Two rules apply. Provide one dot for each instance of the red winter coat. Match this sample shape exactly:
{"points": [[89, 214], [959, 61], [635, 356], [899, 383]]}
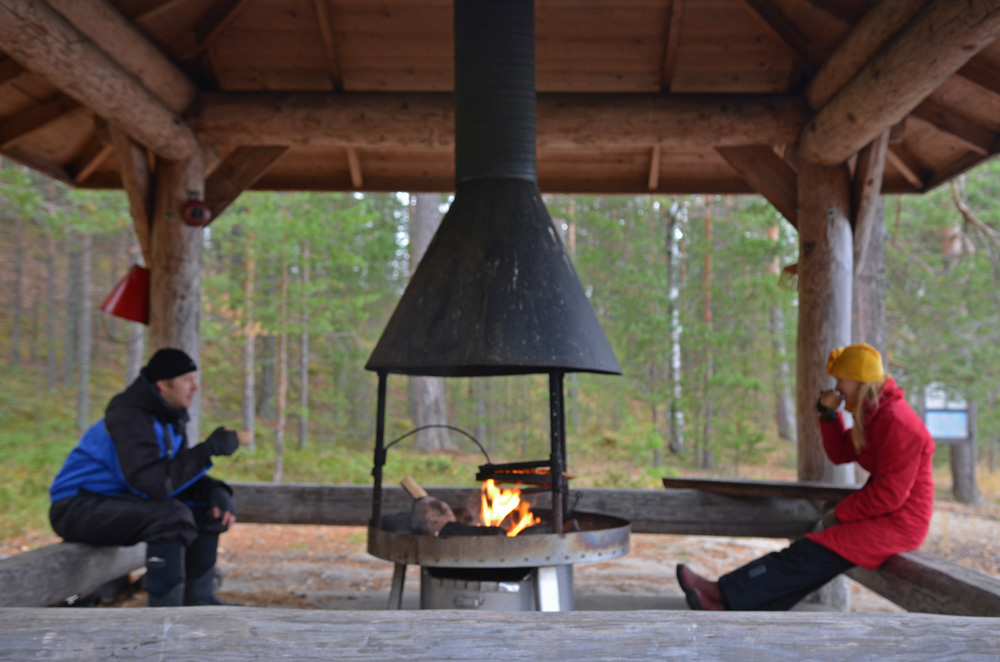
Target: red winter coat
{"points": [[892, 512]]}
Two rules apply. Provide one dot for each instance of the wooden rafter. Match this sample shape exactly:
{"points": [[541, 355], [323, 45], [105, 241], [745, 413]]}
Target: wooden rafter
{"points": [[874, 29], [43, 166], [768, 174], [907, 164], [90, 158], [135, 173], [939, 40], [118, 37], [9, 70], [325, 24], [954, 123], [41, 40], [564, 120], [653, 181], [670, 47], [866, 189], [981, 73], [214, 22], [774, 19], [237, 173], [354, 165], [34, 119]]}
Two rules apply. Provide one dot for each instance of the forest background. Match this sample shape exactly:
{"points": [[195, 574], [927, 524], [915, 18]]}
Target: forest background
{"points": [[298, 286]]}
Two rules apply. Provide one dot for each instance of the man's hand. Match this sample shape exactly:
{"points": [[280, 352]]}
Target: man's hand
{"points": [[828, 403], [222, 441], [222, 506], [828, 519]]}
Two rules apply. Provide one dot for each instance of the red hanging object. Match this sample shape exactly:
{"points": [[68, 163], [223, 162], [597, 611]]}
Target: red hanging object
{"points": [[130, 298]]}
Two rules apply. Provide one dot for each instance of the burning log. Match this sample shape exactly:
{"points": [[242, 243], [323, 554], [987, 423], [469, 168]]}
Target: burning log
{"points": [[429, 515]]}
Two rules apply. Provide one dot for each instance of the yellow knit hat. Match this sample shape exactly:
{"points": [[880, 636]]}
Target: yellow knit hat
{"points": [[861, 363]]}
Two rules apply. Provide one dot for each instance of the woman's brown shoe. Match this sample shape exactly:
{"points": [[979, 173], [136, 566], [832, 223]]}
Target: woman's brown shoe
{"points": [[690, 581]]}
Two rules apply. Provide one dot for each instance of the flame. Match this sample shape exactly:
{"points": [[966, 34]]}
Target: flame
{"points": [[499, 503]]}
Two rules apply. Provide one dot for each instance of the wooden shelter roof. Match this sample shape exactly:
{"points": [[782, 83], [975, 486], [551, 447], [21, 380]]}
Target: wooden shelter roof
{"points": [[672, 96]]}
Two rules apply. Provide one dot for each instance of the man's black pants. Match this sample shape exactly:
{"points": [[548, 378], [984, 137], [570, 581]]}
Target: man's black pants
{"points": [[96, 519], [779, 580]]}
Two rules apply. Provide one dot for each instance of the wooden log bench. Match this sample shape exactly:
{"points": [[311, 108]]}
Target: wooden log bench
{"points": [[915, 581], [222, 634], [49, 575]]}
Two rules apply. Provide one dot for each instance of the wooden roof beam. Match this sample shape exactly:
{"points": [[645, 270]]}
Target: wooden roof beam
{"points": [[564, 121], [117, 37], [41, 40], [136, 179], [237, 173], [220, 14], [903, 160], [874, 29], [939, 40], [9, 70], [866, 189], [330, 50], [670, 47], [354, 166], [774, 19], [769, 174], [90, 158]]}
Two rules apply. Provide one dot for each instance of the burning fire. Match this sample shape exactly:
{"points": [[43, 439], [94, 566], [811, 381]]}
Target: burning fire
{"points": [[499, 503]]}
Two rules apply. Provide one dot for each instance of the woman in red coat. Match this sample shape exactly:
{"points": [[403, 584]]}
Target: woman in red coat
{"points": [[890, 514]]}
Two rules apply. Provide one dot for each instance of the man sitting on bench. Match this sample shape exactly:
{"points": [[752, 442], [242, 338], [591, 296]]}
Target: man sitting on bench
{"points": [[133, 478]]}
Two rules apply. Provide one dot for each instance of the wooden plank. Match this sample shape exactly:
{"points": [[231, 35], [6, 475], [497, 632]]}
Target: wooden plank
{"points": [[768, 174], [655, 158], [237, 173], [920, 582], [670, 48], [220, 14], [195, 634], [119, 38], [682, 512], [41, 40], [939, 40], [48, 575], [329, 43], [91, 157], [764, 489], [903, 160], [564, 120]]}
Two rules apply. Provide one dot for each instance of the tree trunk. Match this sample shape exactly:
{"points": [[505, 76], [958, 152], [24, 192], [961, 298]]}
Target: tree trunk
{"points": [[136, 342], [784, 410], [72, 302], [675, 419], [265, 402], [427, 394], [706, 457], [304, 352], [279, 436], [84, 339], [963, 464], [248, 408], [50, 310], [16, 303]]}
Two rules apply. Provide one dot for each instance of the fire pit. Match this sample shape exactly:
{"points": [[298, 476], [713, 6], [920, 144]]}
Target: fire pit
{"points": [[496, 294]]}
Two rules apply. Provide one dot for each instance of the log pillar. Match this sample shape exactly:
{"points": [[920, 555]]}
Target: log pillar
{"points": [[826, 266], [175, 265]]}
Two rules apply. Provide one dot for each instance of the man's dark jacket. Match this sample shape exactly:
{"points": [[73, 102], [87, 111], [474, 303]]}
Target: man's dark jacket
{"points": [[140, 448]]}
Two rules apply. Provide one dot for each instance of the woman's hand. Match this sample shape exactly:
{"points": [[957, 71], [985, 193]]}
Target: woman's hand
{"points": [[828, 403]]}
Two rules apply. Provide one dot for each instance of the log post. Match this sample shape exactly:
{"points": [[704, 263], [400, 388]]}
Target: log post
{"points": [[826, 264], [826, 271], [175, 265]]}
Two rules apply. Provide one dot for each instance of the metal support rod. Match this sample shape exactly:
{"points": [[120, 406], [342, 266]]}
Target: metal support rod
{"points": [[558, 449], [379, 451]]}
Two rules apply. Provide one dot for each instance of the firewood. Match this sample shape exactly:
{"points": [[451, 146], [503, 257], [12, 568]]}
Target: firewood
{"points": [[428, 515]]}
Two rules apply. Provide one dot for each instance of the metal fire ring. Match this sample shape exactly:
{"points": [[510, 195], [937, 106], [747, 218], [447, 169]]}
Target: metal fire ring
{"points": [[601, 538]]}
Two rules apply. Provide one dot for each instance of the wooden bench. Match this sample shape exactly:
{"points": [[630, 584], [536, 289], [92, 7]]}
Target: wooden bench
{"points": [[915, 581], [49, 575], [223, 634]]}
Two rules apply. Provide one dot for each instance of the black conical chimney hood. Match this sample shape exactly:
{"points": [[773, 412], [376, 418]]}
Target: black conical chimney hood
{"points": [[495, 293]]}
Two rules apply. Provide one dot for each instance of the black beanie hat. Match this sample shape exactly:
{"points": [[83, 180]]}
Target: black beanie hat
{"points": [[167, 364]]}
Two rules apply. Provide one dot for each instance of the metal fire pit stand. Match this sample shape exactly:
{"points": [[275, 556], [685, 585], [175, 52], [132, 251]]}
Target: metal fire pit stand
{"points": [[557, 452]]}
